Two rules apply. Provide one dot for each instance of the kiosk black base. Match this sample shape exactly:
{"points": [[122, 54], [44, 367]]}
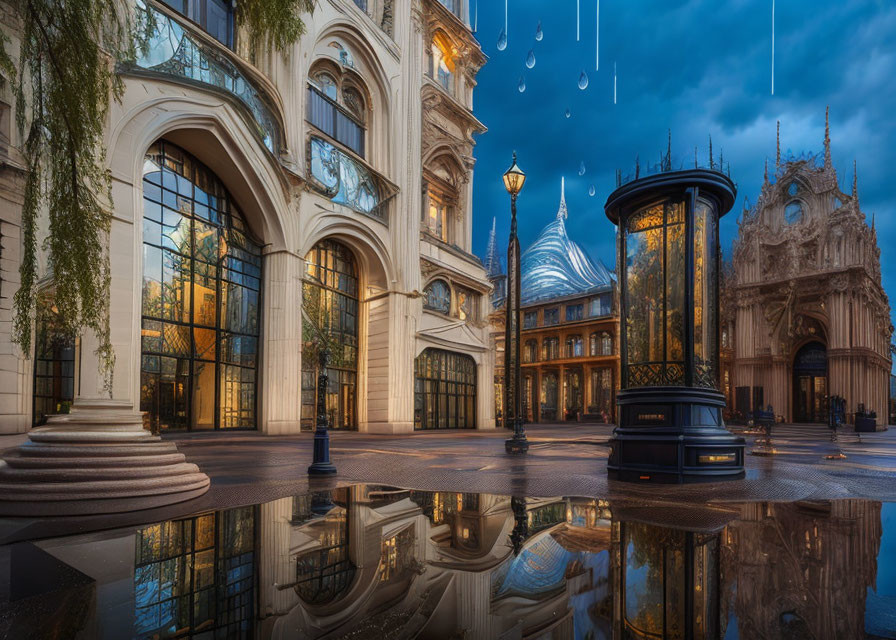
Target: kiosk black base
{"points": [[674, 435]]}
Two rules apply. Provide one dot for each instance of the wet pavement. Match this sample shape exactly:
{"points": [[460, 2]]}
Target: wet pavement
{"points": [[377, 562]]}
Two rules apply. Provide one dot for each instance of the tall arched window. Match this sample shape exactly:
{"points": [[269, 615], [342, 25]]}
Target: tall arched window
{"points": [[437, 297], [550, 348], [530, 352], [330, 319], [606, 344], [201, 298]]}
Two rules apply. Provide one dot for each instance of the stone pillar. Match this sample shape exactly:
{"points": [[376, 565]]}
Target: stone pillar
{"points": [[281, 365]]}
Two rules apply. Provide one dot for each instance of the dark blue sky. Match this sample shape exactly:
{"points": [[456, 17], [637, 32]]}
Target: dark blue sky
{"points": [[699, 68]]}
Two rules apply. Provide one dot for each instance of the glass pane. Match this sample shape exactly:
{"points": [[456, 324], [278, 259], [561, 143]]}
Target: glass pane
{"points": [[644, 295], [705, 285], [675, 283]]}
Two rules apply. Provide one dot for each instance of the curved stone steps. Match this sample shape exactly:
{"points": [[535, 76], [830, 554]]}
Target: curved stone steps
{"points": [[59, 449], [103, 489], [92, 436], [98, 462], [96, 459], [94, 475]]}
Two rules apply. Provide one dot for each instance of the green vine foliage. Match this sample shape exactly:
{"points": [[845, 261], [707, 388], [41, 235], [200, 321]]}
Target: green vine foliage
{"points": [[275, 23], [63, 83]]}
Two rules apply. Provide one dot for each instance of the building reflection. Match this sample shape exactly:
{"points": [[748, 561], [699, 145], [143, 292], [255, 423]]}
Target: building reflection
{"points": [[371, 561]]}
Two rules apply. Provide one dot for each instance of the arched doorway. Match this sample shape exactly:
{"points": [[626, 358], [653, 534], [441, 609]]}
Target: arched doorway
{"points": [[201, 308], [444, 390], [810, 383], [330, 302]]}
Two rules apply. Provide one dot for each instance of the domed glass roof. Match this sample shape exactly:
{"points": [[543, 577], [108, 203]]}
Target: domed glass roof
{"points": [[556, 267]]}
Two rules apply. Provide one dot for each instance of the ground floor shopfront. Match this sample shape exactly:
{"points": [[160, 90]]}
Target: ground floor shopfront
{"points": [[224, 288]]}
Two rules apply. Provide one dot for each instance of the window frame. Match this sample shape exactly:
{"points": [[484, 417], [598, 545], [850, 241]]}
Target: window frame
{"points": [[343, 82]]}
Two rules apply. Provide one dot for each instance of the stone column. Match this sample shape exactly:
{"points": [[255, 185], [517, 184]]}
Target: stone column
{"points": [[281, 365]]}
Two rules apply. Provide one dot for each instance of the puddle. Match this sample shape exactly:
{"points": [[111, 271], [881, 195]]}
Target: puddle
{"points": [[369, 561]]}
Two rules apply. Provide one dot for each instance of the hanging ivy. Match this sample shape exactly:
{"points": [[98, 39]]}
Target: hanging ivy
{"points": [[63, 82], [275, 23]]}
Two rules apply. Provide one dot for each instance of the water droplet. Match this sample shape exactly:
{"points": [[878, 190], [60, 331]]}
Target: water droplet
{"points": [[502, 40], [539, 34], [568, 114], [583, 80], [530, 59], [591, 190], [581, 168], [522, 85]]}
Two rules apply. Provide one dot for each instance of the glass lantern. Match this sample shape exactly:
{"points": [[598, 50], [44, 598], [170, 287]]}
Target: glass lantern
{"points": [[670, 424]]}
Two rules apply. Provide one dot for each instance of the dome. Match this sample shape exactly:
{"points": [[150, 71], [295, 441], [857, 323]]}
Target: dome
{"points": [[556, 267]]}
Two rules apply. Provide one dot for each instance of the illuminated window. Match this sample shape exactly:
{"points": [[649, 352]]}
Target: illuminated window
{"points": [[441, 62], [466, 304], [54, 368], [550, 348], [530, 351], [575, 347], [437, 217], [397, 556], [201, 298]]}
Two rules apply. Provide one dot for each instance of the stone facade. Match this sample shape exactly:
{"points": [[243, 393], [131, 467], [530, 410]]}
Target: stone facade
{"points": [[398, 75], [804, 314]]}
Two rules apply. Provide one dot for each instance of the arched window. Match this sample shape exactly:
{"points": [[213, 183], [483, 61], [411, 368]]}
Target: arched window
{"points": [[793, 212], [201, 290], [575, 347], [325, 573], [530, 352], [337, 108], [466, 304], [330, 319], [444, 390], [54, 366], [437, 297], [606, 344], [550, 348], [441, 62], [593, 345]]}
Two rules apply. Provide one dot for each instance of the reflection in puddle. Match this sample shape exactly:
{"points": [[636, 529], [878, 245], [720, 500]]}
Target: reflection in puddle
{"points": [[377, 562]]}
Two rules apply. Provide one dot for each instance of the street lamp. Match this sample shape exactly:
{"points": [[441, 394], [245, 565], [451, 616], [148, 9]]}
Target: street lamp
{"points": [[670, 408], [514, 178], [321, 466]]}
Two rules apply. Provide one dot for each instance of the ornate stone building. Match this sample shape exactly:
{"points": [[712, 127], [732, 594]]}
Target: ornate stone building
{"points": [[804, 314], [569, 336], [261, 200]]}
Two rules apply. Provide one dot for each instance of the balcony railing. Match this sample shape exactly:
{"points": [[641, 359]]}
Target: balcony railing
{"points": [[171, 48]]}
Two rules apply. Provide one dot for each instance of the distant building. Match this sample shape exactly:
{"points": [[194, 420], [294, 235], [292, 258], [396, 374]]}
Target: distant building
{"points": [[804, 315], [569, 345]]}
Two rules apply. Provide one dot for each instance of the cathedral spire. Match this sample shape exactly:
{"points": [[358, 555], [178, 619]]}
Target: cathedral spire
{"points": [[492, 260], [855, 186], [765, 177], [562, 212], [827, 138], [712, 163], [778, 147], [667, 161]]}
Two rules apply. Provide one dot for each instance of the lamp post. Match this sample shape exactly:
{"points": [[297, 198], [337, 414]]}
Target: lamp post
{"points": [[322, 465], [670, 408], [513, 182]]}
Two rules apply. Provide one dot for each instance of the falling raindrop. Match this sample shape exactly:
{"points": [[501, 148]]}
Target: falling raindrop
{"points": [[581, 168], [530, 59], [773, 47], [522, 85], [614, 82], [597, 40], [539, 34], [568, 114], [591, 190], [578, 14], [502, 40], [583, 80]]}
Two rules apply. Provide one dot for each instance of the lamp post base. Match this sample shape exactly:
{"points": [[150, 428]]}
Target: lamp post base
{"points": [[321, 465], [674, 435], [518, 443]]}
